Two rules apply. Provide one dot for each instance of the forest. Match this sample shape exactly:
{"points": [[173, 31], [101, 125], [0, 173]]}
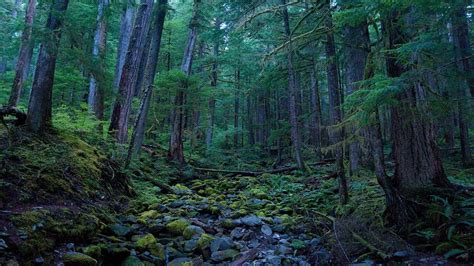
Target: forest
{"points": [[236, 132]]}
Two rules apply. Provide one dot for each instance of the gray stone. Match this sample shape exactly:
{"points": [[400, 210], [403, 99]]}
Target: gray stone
{"points": [[237, 233], [179, 261], [38, 261], [274, 260], [193, 231], [119, 230], [3, 244], [266, 230], [251, 220], [401, 254], [223, 255], [222, 243], [190, 245]]}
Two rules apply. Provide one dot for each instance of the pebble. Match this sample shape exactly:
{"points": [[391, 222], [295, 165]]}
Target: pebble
{"points": [[251, 220], [266, 230]]}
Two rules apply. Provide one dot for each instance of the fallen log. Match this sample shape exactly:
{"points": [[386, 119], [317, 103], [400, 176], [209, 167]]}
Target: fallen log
{"points": [[257, 173], [165, 188], [12, 111]]}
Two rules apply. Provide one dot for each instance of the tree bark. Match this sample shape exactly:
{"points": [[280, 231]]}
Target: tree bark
{"points": [[357, 45], [315, 109], [463, 53], [126, 26], [96, 87], [236, 107], [335, 115], [293, 91], [176, 149], [25, 54], [123, 103], [212, 101], [138, 134], [40, 104], [418, 164]]}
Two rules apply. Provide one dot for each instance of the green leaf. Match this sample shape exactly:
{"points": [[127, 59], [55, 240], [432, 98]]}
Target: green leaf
{"points": [[453, 252]]}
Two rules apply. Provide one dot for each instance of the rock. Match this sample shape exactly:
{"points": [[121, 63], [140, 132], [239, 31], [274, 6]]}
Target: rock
{"points": [[282, 249], [401, 254], [204, 241], [237, 233], [3, 245], [93, 251], [251, 220], [132, 261], [156, 228], [280, 228], [119, 230], [190, 245], [130, 219], [192, 231], [177, 226], [181, 190], [38, 261], [148, 242], [315, 242], [273, 260], [221, 243], [70, 246], [223, 255], [266, 230], [180, 262], [78, 259], [151, 214], [176, 204]]}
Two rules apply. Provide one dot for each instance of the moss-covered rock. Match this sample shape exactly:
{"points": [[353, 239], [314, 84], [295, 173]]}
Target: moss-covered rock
{"points": [[94, 251], [78, 259], [177, 226], [192, 231], [149, 242], [204, 241], [132, 261]]}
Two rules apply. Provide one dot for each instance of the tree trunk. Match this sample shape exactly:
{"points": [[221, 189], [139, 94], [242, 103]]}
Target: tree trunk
{"points": [[315, 108], [40, 104], [138, 134], [418, 164], [357, 45], [96, 87], [236, 107], [176, 149], [462, 52], [212, 101], [126, 26], [335, 115], [25, 54], [293, 91], [123, 103]]}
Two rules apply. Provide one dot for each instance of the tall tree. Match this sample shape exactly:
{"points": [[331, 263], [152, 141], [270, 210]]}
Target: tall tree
{"points": [[293, 90], [418, 165], [25, 54], [176, 149], [40, 104], [214, 75], [126, 26], [463, 54], [149, 78], [123, 103], [96, 87], [335, 104]]}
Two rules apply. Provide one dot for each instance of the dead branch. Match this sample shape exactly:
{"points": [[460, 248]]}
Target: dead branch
{"points": [[258, 173]]}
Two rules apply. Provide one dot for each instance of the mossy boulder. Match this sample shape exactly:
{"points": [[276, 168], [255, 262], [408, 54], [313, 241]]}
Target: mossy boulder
{"points": [[94, 251], [177, 226], [204, 241], [181, 190], [151, 214], [78, 259], [192, 231], [228, 254], [132, 261], [148, 242]]}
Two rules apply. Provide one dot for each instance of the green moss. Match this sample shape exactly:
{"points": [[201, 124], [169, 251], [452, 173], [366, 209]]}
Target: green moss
{"points": [[204, 241], [78, 259], [94, 251], [152, 214], [148, 242], [177, 227]]}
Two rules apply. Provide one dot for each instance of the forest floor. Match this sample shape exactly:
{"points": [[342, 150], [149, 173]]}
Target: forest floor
{"points": [[62, 201]]}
